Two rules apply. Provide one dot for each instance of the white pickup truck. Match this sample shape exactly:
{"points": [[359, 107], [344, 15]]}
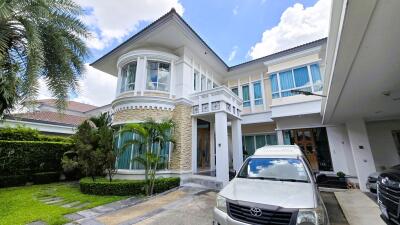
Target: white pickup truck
{"points": [[274, 186]]}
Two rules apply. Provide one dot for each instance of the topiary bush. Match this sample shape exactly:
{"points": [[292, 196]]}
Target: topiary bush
{"points": [[11, 181], [103, 186], [45, 177]]}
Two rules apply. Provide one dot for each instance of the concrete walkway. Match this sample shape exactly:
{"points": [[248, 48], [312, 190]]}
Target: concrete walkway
{"points": [[187, 205], [358, 208]]}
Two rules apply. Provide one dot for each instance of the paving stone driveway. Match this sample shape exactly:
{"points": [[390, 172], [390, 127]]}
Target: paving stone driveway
{"points": [[186, 205]]}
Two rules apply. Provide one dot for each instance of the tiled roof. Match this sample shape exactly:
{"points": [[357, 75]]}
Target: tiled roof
{"points": [[72, 105], [49, 117]]}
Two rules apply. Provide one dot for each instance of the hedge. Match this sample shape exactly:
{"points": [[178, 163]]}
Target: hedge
{"points": [[11, 181], [28, 134], [102, 186], [45, 177], [28, 157]]}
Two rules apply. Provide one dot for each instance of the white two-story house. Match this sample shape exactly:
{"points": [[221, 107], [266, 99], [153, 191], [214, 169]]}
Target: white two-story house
{"points": [[222, 113]]}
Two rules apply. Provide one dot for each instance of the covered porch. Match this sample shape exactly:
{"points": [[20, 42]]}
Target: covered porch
{"points": [[216, 133]]}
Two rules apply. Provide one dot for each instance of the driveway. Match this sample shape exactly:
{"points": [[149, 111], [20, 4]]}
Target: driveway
{"points": [[187, 205]]}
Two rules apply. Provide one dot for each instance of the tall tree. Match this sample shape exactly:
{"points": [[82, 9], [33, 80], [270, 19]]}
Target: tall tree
{"points": [[40, 39]]}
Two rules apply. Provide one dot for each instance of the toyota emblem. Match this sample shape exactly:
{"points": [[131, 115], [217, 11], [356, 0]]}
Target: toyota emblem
{"points": [[254, 211]]}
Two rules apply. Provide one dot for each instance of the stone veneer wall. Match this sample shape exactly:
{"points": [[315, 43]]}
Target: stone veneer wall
{"points": [[181, 156]]}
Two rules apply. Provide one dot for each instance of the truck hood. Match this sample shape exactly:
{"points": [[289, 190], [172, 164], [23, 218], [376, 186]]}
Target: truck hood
{"points": [[276, 193]]}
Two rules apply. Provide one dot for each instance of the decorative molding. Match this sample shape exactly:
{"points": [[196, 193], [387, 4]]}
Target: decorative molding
{"points": [[150, 54]]}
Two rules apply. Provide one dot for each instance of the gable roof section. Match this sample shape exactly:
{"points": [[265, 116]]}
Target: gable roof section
{"points": [[49, 118], [172, 14], [71, 105], [169, 16]]}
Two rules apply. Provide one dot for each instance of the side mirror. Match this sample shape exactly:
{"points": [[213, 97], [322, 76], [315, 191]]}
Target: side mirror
{"points": [[232, 174]]}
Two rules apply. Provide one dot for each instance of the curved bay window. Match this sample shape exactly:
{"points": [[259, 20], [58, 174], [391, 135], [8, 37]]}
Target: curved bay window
{"points": [[158, 75], [128, 77], [128, 159]]}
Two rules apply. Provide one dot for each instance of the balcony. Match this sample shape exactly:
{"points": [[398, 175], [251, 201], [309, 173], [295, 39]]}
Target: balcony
{"points": [[216, 100]]}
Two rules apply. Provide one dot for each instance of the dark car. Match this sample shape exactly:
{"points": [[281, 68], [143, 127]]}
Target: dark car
{"points": [[389, 195]]}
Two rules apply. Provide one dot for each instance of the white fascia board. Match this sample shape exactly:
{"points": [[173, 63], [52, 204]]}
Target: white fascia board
{"points": [[295, 109], [263, 117], [293, 56]]}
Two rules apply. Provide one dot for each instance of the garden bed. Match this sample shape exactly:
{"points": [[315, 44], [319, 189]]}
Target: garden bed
{"points": [[102, 186]]}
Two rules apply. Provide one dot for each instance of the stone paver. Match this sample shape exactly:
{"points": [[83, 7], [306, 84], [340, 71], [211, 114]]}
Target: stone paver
{"points": [[37, 223], [358, 208]]}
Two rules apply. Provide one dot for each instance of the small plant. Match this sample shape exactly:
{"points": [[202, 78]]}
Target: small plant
{"points": [[341, 174]]}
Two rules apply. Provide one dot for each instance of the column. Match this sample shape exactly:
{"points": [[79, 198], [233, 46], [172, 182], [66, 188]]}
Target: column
{"points": [[361, 150], [237, 153], [221, 139], [212, 147], [194, 145], [279, 136]]}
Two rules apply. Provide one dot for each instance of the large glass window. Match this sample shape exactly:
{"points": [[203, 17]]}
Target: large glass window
{"points": [[128, 77], [253, 142], [258, 98], [246, 95], [306, 78], [158, 75]]}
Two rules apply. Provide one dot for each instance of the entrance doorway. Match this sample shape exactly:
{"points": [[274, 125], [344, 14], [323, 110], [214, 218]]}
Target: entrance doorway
{"points": [[203, 145], [314, 144]]}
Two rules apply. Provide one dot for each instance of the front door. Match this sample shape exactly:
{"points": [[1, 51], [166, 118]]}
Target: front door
{"points": [[203, 146], [304, 138]]}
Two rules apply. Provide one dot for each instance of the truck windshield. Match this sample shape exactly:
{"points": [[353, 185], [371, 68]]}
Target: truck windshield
{"points": [[279, 169]]}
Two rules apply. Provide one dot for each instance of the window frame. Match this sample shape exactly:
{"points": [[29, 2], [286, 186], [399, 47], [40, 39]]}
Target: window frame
{"points": [[311, 81], [246, 101], [195, 80], [167, 85], [261, 99], [237, 90], [254, 135], [123, 85]]}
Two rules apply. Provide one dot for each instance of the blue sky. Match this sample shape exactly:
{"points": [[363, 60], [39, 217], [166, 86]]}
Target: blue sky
{"points": [[224, 24], [237, 30]]}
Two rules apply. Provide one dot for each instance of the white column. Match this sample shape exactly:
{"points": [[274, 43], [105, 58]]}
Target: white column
{"points": [[237, 153], [144, 75], [361, 149], [194, 145], [119, 80], [172, 80], [251, 92], [279, 135], [212, 147], [221, 139]]}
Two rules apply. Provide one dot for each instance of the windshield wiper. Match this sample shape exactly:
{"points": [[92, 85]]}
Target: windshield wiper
{"points": [[293, 180], [264, 178]]}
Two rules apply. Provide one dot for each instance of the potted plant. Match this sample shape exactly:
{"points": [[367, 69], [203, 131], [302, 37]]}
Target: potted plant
{"points": [[341, 175]]}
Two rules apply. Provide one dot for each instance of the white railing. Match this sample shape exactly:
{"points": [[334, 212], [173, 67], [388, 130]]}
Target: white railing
{"points": [[215, 100]]}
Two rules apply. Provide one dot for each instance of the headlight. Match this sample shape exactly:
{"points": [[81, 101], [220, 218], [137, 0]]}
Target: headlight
{"points": [[221, 203], [311, 216]]}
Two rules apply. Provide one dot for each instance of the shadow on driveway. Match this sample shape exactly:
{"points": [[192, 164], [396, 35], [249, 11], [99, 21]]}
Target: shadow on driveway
{"points": [[335, 213]]}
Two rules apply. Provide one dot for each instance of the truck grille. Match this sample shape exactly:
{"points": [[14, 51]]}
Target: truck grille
{"points": [[390, 198], [268, 217]]}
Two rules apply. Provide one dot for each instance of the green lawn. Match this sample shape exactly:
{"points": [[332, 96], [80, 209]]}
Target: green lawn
{"points": [[20, 205]]}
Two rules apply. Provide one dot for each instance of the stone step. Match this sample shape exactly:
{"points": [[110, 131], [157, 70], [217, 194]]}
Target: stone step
{"points": [[205, 182], [71, 204]]}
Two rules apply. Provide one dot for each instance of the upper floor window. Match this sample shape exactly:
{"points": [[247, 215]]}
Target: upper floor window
{"points": [[128, 77], [235, 90], [195, 80], [209, 84], [215, 85], [203, 83], [258, 98], [306, 78], [246, 95], [158, 75]]}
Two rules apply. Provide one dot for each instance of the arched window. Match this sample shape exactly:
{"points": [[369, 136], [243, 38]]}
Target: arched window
{"points": [[128, 76]]}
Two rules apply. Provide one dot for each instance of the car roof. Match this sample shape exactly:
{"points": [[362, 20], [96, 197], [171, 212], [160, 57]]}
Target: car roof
{"points": [[292, 151]]}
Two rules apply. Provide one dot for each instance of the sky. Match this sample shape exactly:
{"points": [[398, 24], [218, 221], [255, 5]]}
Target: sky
{"points": [[237, 30]]}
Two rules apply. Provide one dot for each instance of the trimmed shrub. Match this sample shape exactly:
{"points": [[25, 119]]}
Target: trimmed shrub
{"points": [[28, 134], [125, 187], [28, 157], [45, 177], [11, 181]]}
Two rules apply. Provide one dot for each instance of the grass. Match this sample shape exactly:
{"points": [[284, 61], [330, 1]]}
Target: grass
{"points": [[21, 205]]}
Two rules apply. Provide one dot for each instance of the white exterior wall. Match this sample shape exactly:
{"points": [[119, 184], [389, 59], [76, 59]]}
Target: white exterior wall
{"points": [[382, 143]]}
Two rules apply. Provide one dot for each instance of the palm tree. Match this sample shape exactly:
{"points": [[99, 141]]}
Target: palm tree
{"points": [[40, 39], [151, 137]]}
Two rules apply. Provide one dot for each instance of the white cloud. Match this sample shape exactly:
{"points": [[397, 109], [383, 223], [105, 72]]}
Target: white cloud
{"points": [[111, 20], [298, 25], [232, 55], [235, 10], [95, 88]]}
